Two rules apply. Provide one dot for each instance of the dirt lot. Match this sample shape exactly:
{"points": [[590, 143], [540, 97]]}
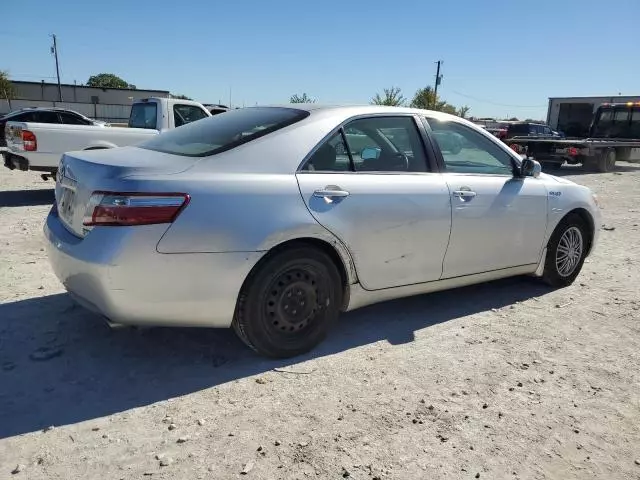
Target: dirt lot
{"points": [[504, 380]]}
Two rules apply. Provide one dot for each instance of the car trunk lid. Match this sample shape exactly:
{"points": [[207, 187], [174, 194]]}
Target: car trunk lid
{"points": [[82, 173]]}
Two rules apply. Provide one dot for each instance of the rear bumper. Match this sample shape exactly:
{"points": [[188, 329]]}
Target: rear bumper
{"points": [[17, 162], [117, 272]]}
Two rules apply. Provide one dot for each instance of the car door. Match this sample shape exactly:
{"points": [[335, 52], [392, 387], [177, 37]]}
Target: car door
{"points": [[370, 183], [498, 220]]}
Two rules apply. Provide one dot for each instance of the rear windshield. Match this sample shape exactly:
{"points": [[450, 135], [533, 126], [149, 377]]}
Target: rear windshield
{"points": [[224, 132], [143, 115]]}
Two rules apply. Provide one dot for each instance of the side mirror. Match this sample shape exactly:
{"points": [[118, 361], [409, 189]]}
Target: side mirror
{"points": [[530, 168], [370, 153]]}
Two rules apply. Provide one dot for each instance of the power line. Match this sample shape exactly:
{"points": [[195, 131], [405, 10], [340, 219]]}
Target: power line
{"points": [[496, 103]]}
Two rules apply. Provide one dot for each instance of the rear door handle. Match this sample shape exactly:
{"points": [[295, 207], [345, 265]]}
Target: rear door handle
{"points": [[464, 194], [330, 192]]}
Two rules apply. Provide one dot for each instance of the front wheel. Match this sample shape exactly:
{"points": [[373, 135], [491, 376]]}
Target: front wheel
{"points": [[289, 303], [566, 251]]}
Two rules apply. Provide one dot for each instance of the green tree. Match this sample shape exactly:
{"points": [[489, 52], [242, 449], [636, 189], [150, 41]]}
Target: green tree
{"points": [[180, 97], [304, 98], [391, 96], [7, 91], [108, 80], [425, 98], [463, 110]]}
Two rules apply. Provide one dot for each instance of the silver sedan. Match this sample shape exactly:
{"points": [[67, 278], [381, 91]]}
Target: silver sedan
{"points": [[273, 220]]}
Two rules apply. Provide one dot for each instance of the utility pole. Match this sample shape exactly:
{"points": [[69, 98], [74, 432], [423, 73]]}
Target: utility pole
{"points": [[438, 80], [54, 51]]}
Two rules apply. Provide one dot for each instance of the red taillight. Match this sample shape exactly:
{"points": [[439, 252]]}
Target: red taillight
{"points": [[572, 151], [29, 141], [128, 209], [515, 147]]}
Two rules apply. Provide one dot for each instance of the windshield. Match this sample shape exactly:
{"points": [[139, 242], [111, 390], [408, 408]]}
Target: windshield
{"points": [[224, 132], [613, 123]]}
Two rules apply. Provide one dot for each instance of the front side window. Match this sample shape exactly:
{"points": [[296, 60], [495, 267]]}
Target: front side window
{"points": [[184, 114], [374, 144], [143, 115], [224, 132], [467, 151]]}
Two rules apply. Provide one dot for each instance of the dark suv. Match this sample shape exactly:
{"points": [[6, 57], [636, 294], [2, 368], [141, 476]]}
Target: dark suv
{"points": [[528, 129], [44, 115]]}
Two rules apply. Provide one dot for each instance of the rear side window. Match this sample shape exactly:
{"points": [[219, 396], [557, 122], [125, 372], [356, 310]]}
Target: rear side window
{"points": [[223, 132], [47, 117], [143, 115], [21, 117]]}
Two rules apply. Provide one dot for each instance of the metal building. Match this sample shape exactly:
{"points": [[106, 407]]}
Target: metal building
{"points": [[109, 104], [572, 115]]}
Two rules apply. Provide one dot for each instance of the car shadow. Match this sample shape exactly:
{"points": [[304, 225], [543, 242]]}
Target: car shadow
{"points": [[60, 364], [25, 198]]}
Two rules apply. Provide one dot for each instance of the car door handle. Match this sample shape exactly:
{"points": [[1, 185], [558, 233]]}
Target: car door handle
{"points": [[464, 194], [330, 192]]}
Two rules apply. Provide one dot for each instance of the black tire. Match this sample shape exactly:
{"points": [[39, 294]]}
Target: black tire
{"points": [[289, 302], [561, 240], [606, 161]]}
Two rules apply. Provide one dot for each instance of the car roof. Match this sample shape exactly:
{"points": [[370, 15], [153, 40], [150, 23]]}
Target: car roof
{"points": [[42, 109], [363, 109]]}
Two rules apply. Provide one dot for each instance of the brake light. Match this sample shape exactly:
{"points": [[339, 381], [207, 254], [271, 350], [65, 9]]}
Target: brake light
{"points": [[128, 209], [29, 141], [572, 151], [515, 147]]}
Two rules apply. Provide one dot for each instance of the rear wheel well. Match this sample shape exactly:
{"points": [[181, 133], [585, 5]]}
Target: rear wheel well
{"points": [[586, 217], [321, 245]]}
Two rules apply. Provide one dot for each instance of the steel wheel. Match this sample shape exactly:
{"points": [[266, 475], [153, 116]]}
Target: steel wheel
{"points": [[295, 299], [289, 302], [569, 251]]}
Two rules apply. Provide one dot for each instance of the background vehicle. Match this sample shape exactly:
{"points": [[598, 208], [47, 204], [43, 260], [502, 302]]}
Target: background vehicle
{"points": [[256, 219], [529, 129], [38, 146], [614, 135], [46, 115]]}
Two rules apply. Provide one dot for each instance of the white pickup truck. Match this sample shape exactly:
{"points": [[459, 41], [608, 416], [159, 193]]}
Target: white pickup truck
{"points": [[39, 146]]}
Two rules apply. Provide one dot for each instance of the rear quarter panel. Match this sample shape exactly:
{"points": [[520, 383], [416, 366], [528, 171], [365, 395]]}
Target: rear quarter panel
{"points": [[241, 213]]}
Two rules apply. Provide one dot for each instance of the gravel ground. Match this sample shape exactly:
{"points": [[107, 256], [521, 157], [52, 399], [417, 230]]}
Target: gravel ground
{"points": [[503, 380]]}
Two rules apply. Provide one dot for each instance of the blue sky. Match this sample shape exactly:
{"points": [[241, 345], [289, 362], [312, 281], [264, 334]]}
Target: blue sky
{"points": [[500, 57]]}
